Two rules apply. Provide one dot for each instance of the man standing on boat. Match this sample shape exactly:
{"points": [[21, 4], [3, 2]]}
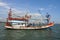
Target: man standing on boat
{"points": [[48, 18]]}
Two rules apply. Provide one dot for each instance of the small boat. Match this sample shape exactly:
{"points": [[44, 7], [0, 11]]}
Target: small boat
{"points": [[23, 23]]}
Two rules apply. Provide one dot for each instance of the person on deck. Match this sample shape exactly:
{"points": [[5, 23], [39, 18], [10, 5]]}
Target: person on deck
{"points": [[48, 18]]}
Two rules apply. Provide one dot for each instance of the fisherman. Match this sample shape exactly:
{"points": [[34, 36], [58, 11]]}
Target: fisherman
{"points": [[48, 18]]}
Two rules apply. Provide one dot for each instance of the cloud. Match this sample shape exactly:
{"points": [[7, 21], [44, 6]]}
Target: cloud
{"points": [[2, 19], [18, 12], [2, 4], [5, 5], [51, 7], [48, 8], [41, 9], [14, 10], [35, 14]]}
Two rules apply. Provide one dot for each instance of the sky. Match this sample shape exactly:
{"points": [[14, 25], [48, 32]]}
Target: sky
{"points": [[31, 6]]}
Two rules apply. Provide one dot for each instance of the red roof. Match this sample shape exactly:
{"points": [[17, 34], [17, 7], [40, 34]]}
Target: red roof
{"points": [[21, 19]]}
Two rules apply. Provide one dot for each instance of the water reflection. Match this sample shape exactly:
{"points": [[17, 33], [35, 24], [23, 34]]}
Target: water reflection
{"points": [[26, 34], [14, 34]]}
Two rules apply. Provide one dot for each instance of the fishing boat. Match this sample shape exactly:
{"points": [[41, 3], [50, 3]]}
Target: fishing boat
{"points": [[25, 23]]}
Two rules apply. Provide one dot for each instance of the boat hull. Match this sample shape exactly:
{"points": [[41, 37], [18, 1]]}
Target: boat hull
{"points": [[41, 27]]}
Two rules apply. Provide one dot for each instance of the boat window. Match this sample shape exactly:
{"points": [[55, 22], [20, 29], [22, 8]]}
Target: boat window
{"points": [[22, 23], [18, 23], [14, 23]]}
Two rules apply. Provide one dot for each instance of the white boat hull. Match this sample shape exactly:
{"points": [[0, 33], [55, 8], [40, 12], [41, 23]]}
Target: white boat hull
{"points": [[42, 27]]}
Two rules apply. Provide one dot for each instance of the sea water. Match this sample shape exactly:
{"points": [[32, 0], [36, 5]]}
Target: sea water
{"points": [[52, 33]]}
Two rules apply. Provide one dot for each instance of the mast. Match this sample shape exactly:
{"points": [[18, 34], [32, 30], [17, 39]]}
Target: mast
{"points": [[9, 15]]}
